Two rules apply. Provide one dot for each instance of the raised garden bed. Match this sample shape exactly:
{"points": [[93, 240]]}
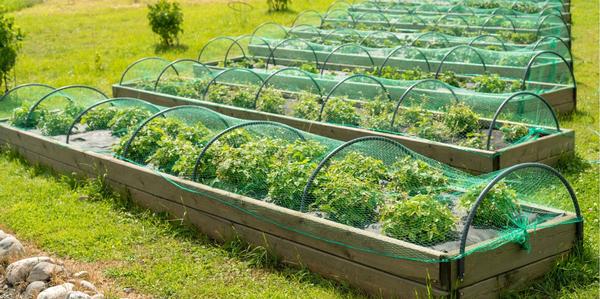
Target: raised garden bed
{"points": [[547, 149], [342, 247]]}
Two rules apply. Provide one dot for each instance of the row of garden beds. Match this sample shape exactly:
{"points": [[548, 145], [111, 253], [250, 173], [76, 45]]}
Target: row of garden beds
{"points": [[320, 218]]}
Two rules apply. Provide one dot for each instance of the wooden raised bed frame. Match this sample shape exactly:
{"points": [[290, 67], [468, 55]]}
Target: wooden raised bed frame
{"points": [[487, 273], [548, 149]]}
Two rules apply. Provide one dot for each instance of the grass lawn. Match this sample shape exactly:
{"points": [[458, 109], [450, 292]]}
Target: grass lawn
{"points": [[92, 42]]}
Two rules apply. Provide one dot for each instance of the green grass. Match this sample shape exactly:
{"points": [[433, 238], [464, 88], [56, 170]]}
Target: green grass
{"points": [[92, 42], [141, 250], [14, 5]]}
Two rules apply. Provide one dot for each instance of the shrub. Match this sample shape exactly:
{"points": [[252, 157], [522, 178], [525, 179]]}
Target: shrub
{"points": [[308, 106], [340, 111], [513, 132], [165, 20], [414, 176], [99, 118], [421, 220], [278, 5], [271, 100], [10, 43], [496, 210], [461, 120]]}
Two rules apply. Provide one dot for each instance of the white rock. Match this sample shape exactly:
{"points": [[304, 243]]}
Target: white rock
{"points": [[98, 296], [44, 271], [33, 289], [87, 286], [57, 292], [10, 248], [82, 275], [78, 295], [3, 234], [18, 271]]}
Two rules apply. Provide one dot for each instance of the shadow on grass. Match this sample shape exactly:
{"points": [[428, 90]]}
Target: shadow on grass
{"points": [[162, 48]]}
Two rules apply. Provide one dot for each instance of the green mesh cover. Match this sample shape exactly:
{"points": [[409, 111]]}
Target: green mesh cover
{"points": [[371, 185]]}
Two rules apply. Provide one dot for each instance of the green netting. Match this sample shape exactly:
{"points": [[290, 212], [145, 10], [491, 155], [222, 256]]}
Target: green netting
{"points": [[523, 29], [549, 67], [373, 186], [463, 8], [431, 39], [52, 112], [428, 109], [22, 95]]}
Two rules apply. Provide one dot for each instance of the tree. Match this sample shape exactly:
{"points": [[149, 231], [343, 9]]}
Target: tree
{"points": [[165, 20], [10, 43]]}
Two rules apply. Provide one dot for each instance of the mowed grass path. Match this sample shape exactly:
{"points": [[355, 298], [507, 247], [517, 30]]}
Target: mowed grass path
{"points": [[92, 42]]}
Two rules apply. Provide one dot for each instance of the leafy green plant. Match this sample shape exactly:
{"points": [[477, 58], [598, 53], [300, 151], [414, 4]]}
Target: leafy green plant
{"points": [[414, 176], [219, 93], [170, 154], [461, 120], [420, 219], [450, 78], [99, 118], [474, 140], [378, 113], [271, 100], [165, 20], [348, 190], [340, 111], [429, 128], [242, 97], [308, 106], [498, 207], [309, 67], [513, 132], [290, 170], [412, 115], [19, 117], [492, 83], [127, 118], [518, 37], [55, 123], [10, 43]]}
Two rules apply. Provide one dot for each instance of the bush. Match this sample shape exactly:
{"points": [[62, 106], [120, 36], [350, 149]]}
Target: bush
{"points": [[278, 5], [461, 120], [421, 220], [414, 176], [496, 210], [10, 43], [165, 20]]}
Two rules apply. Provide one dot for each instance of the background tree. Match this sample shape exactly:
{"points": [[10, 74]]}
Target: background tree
{"points": [[10, 43], [165, 20]]}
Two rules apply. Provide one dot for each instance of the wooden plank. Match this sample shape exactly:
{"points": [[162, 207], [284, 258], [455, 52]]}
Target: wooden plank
{"points": [[543, 149], [544, 242], [511, 280], [144, 179]]}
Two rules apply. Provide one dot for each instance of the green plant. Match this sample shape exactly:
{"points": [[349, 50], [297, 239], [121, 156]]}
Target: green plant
{"points": [[170, 153], [474, 140], [340, 111], [219, 93], [127, 118], [429, 128], [290, 170], [412, 115], [10, 43], [271, 100], [420, 219], [461, 120], [242, 97], [513, 132], [450, 78], [309, 67], [518, 37], [415, 176], [278, 5], [378, 113], [20, 114], [245, 168], [165, 20], [99, 118], [55, 123], [491, 83], [308, 106], [497, 209]]}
